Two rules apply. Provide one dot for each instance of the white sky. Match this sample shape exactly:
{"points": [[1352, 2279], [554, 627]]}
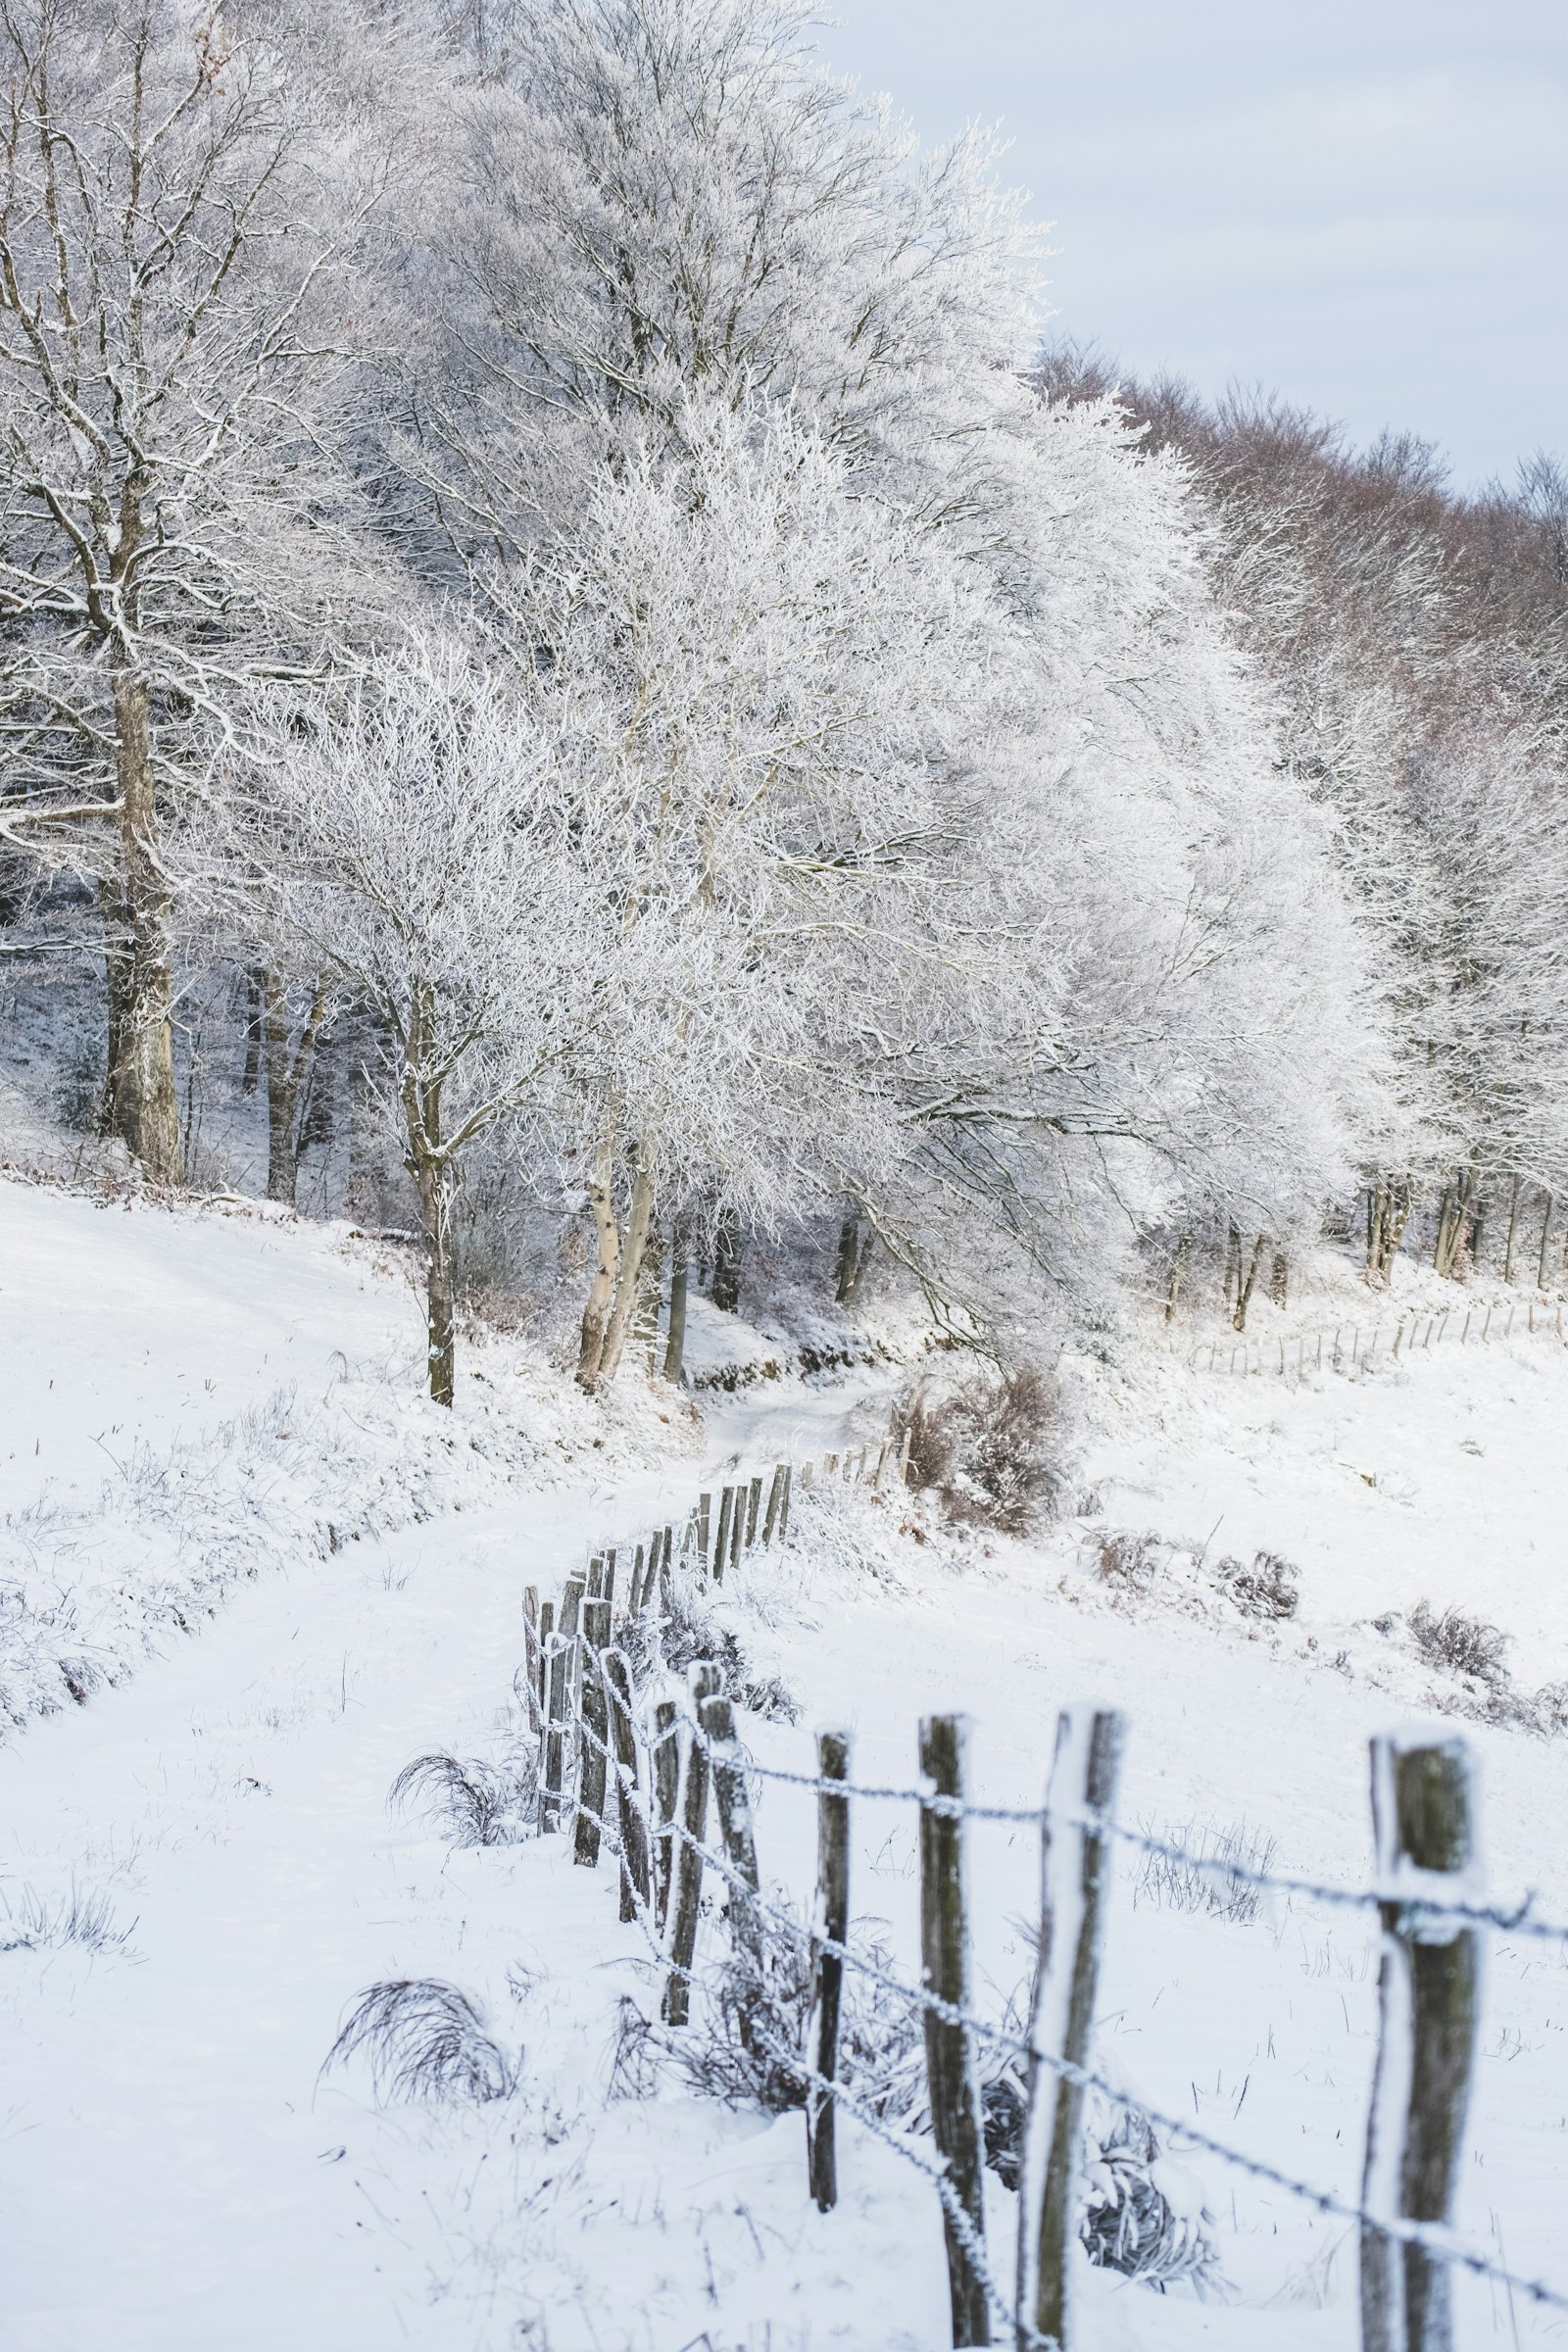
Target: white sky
{"points": [[1366, 206]]}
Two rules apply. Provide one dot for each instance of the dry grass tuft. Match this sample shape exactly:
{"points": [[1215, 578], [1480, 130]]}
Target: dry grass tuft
{"points": [[424, 2040]]}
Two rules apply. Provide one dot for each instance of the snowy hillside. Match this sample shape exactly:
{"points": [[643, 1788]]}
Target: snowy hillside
{"points": [[202, 1870]]}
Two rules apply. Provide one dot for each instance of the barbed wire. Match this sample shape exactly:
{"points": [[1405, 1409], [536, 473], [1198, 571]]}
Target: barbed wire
{"points": [[1430, 2239], [1514, 1920], [1437, 2242]]}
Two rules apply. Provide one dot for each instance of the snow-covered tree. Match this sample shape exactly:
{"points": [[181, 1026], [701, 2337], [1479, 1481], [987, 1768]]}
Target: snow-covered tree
{"points": [[181, 204], [408, 831]]}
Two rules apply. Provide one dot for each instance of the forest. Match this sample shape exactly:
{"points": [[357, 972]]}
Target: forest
{"points": [[586, 677]]}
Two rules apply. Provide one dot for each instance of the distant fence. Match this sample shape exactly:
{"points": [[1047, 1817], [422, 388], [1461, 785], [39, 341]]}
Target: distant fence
{"points": [[1353, 1347], [629, 1767]]}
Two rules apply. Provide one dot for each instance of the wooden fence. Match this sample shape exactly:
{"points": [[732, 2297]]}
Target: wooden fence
{"points": [[635, 1775], [1356, 1347]]}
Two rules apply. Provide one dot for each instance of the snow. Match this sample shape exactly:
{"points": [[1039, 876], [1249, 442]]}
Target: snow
{"points": [[177, 2168]]}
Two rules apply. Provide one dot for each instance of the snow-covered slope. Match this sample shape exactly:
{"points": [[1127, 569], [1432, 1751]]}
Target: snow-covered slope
{"points": [[201, 1869]]}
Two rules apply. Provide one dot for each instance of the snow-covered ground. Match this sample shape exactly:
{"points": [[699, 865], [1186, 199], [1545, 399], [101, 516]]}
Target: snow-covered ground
{"points": [[176, 2169]]}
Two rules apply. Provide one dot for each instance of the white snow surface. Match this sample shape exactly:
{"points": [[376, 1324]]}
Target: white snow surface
{"points": [[177, 2170]]}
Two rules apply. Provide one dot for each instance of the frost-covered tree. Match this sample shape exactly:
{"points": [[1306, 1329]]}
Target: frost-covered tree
{"points": [[182, 203], [408, 831]]}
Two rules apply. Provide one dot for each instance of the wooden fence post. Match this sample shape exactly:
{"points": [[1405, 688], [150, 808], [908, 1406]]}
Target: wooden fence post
{"points": [[1075, 1886], [753, 1503], [716, 1721], [636, 1883], [832, 1922], [666, 1763], [784, 1501], [594, 1736], [688, 1890], [532, 1658], [737, 1525], [727, 1506], [561, 1663], [775, 1495], [948, 2052], [1428, 1999], [705, 1504]]}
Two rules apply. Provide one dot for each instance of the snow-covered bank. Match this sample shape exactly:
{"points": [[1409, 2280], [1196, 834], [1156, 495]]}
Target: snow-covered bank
{"points": [[201, 1870]]}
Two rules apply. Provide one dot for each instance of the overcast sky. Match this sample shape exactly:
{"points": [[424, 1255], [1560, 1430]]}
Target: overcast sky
{"points": [[1363, 205]]}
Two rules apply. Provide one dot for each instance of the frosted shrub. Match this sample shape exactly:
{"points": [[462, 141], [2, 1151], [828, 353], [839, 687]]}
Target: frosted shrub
{"points": [[1463, 1645], [991, 1451]]}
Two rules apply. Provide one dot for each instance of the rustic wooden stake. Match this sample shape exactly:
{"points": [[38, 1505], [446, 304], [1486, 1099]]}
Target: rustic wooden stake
{"points": [[666, 1762], [784, 1503], [663, 1572], [592, 1767], [734, 1798], [1075, 1884], [688, 1874], [827, 1968], [638, 1592], [561, 1663], [753, 1503], [737, 1524], [948, 2052], [705, 1504], [636, 1883], [726, 1505], [775, 1495], [1429, 1998], [533, 1658]]}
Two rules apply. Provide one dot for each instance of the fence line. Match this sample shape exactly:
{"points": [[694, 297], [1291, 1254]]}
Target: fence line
{"points": [[1353, 1347], [638, 1792]]}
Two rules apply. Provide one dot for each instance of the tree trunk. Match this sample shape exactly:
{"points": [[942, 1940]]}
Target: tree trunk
{"points": [[1279, 1280], [854, 1251], [146, 1111], [1513, 1228], [1455, 1221], [1243, 1295], [255, 1024], [1546, 1240], [434, 1181], [117, 988], [287, 1062], [1388, 1205], [629, 1277], [595, 1315], [1233, 1270], [431, 1170], [726, 1292], [1178, 1270], [675, 1340]]}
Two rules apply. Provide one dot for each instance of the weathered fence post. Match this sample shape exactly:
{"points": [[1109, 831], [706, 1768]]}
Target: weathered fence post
{"points": [[737, 1522], [716, 1722], [832, 1924], [1429, 1998], [594, 1713], [665, 1764], [636, 1884], [774, 1497], [753, 1503], [533, 1659], [705, 1504], [727, 1506], [784, 1501], [1075, 1885], [561, 1661], [688, 1892], [948, 2052]]}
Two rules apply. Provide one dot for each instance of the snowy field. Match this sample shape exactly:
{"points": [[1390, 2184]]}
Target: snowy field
{"points": [[201, 1870]]}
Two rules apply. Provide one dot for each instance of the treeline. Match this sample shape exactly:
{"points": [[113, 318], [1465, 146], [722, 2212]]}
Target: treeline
{"points": [[540, 537]]}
